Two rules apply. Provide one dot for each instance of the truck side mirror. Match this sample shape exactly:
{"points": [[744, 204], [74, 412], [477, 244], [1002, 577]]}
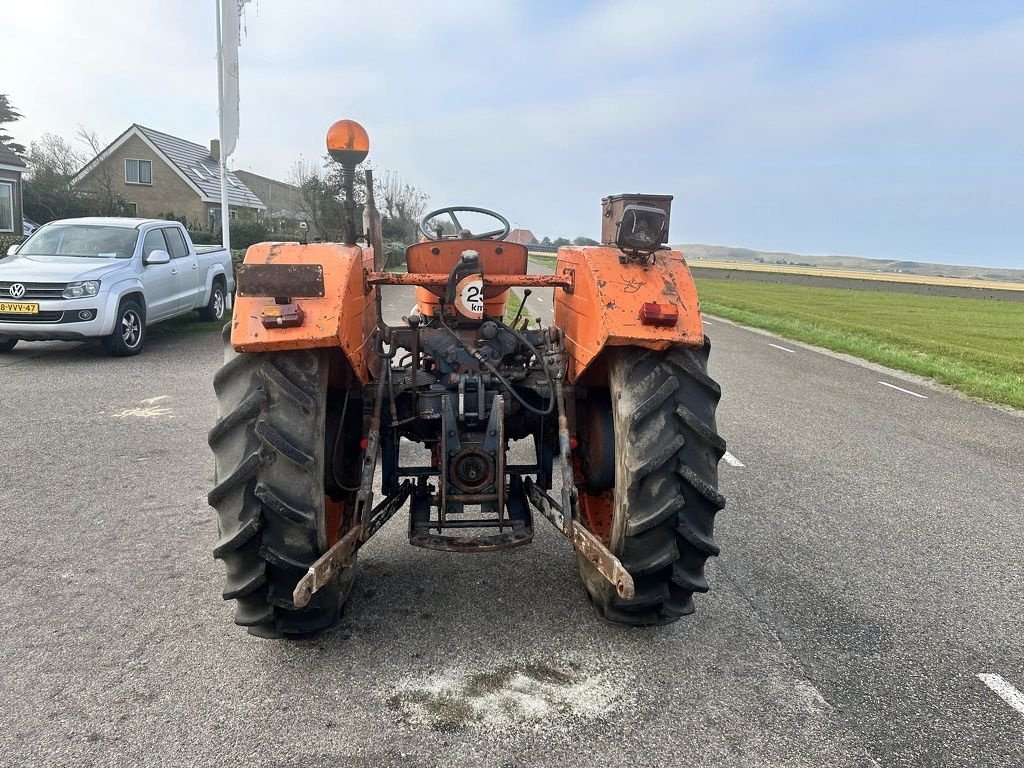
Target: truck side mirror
{"points": [[157, 256], [12, 250]]}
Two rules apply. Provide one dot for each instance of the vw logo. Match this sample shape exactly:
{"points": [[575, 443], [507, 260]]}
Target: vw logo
{"points": [[17, 290]]}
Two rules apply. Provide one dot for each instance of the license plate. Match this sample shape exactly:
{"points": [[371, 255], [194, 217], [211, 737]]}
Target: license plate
{"points": [[17, 308]]}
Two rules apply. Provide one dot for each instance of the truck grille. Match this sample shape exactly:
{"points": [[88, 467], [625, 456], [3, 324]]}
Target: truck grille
{"points": [[32, 290], [41, 317]]}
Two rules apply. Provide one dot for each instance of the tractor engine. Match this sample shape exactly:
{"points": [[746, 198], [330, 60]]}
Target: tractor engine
{"points": [[464, 386]]}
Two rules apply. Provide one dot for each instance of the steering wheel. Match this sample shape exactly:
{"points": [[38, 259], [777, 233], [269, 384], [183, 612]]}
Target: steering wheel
{"points": [[494, 234]]}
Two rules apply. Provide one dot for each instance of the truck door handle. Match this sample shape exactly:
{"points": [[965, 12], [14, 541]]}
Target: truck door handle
{"points": [[195, 266], [174, 271]]}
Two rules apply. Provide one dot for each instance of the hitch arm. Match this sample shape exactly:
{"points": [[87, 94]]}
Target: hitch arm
{"points": [[337, 558], [582, 540], [561, 515]]}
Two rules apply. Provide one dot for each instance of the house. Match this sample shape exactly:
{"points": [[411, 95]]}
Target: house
{"points": [[161, 176], [283, 201], [11, 169], [521, 236]]}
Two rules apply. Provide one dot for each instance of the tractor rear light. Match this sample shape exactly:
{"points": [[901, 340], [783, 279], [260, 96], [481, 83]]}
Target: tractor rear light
{"points": [[363, 443], [652, 313], [573, 443], [282, 316]]}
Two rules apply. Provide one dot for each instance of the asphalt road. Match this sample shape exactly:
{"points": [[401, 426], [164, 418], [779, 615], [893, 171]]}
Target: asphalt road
{"points": [[871, 568]]}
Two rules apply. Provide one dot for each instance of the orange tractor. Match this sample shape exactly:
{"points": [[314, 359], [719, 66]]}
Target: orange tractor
{"points": [[317, 392]]}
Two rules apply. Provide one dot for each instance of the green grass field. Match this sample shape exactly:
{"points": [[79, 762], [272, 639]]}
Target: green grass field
{"points": [[973, 345]]}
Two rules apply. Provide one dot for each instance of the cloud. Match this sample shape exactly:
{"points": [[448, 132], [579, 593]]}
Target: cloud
{"points": [[798, 124]]}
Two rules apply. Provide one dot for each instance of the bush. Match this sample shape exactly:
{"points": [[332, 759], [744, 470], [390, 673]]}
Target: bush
{"points": [[6, 241], [245, 233], [203, 237]]}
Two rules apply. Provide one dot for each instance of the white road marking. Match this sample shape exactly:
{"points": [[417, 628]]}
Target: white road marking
{"points": [[1003, 690], [784, 349], [151, 412], [707, 322], [901, 389], [732, 460], [153, 400]]}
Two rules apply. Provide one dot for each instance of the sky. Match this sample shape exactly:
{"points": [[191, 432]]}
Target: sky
{"points": [[888, 129]]}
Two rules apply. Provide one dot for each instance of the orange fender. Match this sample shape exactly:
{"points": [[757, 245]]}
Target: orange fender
{"points": [[343, 318], [603, 307]]}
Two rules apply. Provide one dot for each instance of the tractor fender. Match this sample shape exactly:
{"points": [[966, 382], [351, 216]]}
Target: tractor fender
{"points": [[602, 309], [344, 317]]}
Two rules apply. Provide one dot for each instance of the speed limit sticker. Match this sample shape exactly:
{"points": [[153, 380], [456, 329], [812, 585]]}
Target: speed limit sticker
{"points": [[469, 296]]}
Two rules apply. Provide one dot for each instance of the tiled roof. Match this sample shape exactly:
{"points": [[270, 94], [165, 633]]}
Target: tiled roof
{"points": [[9, 157], [521, 236], [196, 162]]}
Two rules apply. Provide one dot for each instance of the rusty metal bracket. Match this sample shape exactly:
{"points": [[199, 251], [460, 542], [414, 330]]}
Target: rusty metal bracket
{"points": [[386, 509], [583, 541], [440, 280], [330, 564], [562, 515], [337, 558], [364, 498], [570, 276]]}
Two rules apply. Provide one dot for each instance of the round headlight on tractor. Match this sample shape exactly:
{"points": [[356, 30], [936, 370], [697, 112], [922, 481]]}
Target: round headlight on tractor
{"points": [[82, 288]]}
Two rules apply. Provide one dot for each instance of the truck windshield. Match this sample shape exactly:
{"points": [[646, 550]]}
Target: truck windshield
{"points": [[84, 240]]}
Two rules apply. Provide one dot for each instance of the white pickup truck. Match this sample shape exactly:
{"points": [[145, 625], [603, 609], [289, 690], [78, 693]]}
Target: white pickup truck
{"points": [[108, 278]]}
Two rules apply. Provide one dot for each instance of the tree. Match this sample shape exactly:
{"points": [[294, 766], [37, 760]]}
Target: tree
{"points": [[47, 190], [8, 114], [401, 204], [546, 240], [319, 198], [320, 194], [584, 241], [102, 190], [560, 241]]}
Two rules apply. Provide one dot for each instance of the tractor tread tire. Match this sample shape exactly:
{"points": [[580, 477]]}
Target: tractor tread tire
{"points": [[666, 497], [268, 444]]}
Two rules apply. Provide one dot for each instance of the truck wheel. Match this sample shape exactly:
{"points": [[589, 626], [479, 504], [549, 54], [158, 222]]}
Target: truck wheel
{"points": [[660, 511], [273, 517], [129, 330], [218, 303], [7, 344]]}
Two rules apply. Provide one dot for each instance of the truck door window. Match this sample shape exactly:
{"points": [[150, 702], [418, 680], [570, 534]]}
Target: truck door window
{"points": [[178, 249], [154, 242]]}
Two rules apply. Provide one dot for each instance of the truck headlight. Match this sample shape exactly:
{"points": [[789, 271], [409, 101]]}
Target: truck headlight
{"points": [[82, 288]]}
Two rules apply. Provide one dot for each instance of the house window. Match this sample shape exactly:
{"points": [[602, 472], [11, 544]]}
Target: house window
{"points": [[138, 172], [129, 209], [6, 206]]}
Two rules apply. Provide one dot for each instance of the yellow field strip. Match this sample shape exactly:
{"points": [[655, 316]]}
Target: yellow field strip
{"points": [[885, 277]]}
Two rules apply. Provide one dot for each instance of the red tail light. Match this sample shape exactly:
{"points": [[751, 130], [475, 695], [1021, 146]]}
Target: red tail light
{"points": [[652, 313]]}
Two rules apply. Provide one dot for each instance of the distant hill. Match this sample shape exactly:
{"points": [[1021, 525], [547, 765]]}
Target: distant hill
{"points": [[696, 252]]}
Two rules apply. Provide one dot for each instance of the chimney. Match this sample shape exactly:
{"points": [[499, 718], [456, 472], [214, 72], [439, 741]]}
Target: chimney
{"points": [[215, 149]]}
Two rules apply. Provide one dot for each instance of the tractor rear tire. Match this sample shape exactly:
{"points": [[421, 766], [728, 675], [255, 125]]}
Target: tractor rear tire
{"points": [[665, 493], [269, 443]]}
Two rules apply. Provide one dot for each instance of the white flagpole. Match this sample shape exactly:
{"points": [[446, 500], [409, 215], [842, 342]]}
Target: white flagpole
{"points": [[224, 214]]}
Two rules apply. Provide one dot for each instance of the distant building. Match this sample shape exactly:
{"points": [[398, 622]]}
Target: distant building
{"points": [[283, 202], [521, 236], [11, 169], [160, 175]]}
